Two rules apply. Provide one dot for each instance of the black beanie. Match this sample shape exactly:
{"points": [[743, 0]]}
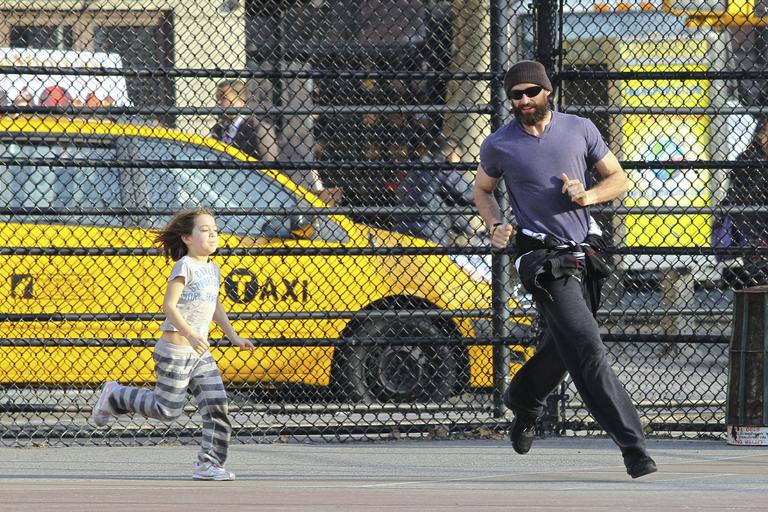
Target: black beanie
{"points": [[527, 72]]}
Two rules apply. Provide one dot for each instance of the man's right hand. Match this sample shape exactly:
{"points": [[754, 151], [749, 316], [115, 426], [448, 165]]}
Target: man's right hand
{"points": [[501, 234]]}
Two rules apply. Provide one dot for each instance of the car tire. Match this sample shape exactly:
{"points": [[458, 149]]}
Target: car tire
{"points": [[397, 373]]}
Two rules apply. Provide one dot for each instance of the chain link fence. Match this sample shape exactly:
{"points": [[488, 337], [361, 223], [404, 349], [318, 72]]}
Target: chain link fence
{"points": [[336, 142]]}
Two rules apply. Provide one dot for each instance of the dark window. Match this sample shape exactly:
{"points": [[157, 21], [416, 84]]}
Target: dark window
{"points": [[371, 35], [48, 37], [589, 93], [144, 47]]}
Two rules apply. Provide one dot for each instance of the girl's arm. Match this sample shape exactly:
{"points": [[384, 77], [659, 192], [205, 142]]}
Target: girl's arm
{"points": [[172, 294], [222, 320]]}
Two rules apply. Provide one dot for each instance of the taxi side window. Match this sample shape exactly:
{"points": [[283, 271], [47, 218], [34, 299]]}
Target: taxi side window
{"points": [[45, 193], [172, 188]]}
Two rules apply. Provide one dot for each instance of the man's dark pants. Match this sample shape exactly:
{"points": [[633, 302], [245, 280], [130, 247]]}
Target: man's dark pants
{"points": [[571, 343]]}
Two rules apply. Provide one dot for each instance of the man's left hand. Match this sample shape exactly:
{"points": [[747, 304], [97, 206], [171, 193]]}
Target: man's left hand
{"points": [[575, 190]]}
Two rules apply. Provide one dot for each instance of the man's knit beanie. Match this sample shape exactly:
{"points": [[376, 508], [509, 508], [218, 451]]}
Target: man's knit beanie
{"points": [[527, 72]]}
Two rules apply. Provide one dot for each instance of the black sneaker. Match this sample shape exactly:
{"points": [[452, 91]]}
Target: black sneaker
{"points": [[521, 433], [641, 467]]}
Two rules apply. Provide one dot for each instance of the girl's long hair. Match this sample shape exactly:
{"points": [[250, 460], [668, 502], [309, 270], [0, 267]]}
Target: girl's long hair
{"points": [[169, 238]]}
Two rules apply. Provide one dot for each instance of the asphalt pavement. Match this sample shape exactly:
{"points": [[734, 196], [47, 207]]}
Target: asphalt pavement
{"points": [[559, 474]]}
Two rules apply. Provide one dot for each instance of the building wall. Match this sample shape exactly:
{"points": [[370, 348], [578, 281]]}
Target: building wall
{"points": [[203, 38]]}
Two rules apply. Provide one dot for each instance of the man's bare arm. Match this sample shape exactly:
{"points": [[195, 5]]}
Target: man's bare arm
{"points": [[488, 207], [614, 183], [485, 201]]}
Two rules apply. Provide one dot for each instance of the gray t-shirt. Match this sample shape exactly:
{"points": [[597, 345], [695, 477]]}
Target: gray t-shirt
{"points": [[198, 300], [531, 167]]}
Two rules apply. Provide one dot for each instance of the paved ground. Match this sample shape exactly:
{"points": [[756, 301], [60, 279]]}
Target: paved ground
{"points": [[572, 474]]}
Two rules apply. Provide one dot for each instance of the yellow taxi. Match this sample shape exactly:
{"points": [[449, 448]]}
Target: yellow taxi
{"points": [[83, 286]]}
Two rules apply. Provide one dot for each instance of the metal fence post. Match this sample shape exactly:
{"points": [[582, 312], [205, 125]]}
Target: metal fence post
{"points": [[546, 13], [500, 271]]}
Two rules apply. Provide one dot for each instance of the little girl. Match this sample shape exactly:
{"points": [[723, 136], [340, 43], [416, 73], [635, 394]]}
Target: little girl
{"points": [[182, 358]]}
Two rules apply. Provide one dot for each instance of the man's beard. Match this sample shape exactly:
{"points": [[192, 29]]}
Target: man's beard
{"points": [[539, 114]]}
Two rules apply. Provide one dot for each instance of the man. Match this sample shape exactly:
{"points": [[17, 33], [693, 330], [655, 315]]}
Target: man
{"points": [[249, 134], [545, 158], [258, 137]]}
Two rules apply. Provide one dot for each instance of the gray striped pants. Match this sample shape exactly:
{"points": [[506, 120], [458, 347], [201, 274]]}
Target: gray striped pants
{"points": [[178, 369]]}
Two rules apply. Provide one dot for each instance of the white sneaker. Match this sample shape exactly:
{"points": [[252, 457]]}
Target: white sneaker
{"points": [[101, 413], [210, 471]]}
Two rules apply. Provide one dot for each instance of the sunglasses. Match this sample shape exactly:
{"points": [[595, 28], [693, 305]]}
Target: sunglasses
{"points": [[531, 92]]}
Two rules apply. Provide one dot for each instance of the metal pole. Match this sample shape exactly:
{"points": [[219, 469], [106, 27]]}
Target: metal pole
{"points": [[547, 13], [500, 264]]}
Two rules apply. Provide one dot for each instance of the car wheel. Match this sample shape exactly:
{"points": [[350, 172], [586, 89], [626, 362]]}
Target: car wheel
{"points": [[398, 373]]}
